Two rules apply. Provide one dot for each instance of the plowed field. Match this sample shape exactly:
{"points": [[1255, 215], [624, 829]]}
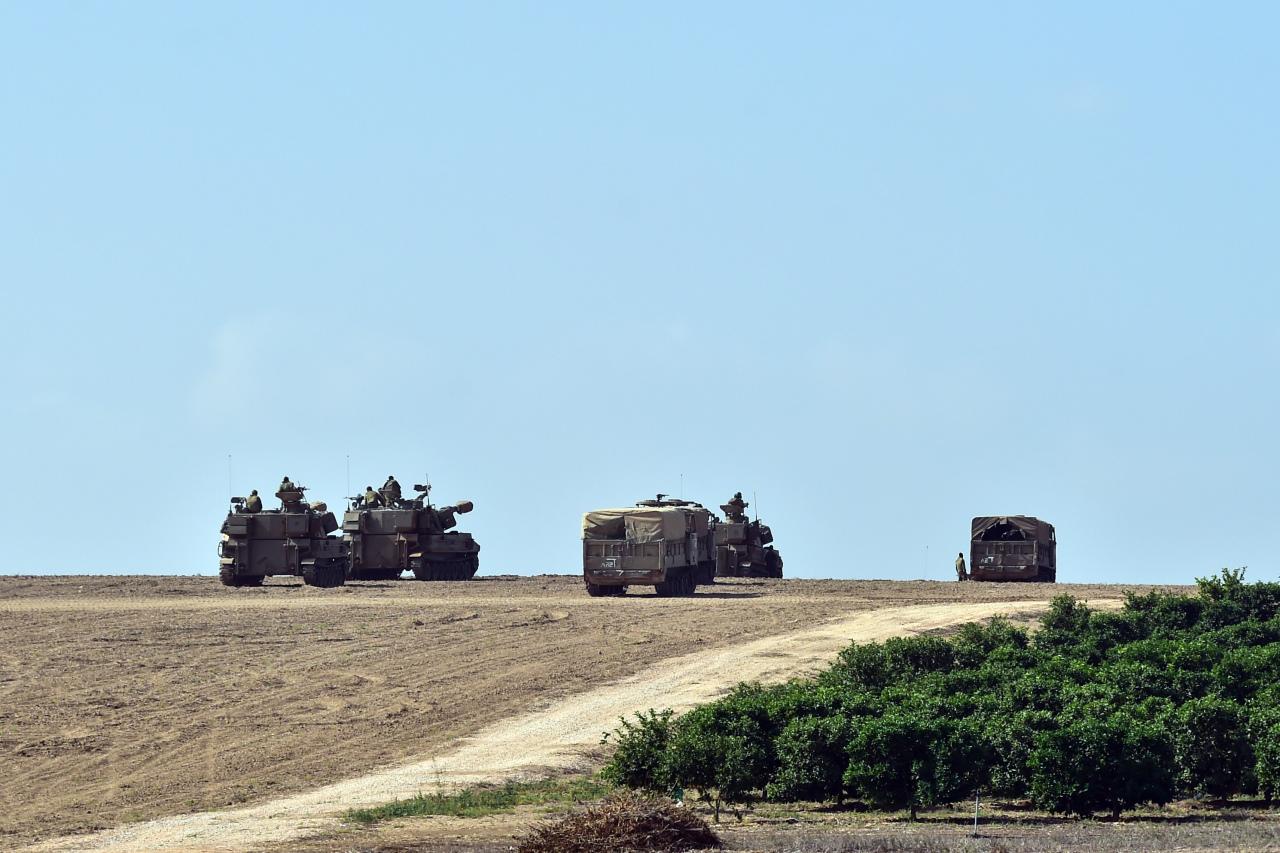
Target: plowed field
{"points": [[127, 699]]}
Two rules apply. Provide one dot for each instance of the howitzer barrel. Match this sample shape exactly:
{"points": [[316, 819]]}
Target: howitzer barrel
{"points": [[462, 507]]}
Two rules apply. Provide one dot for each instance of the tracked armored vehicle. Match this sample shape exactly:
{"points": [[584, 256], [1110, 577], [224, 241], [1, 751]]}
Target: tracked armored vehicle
{"points": [[663, 543], [743, 546], [291, 540], [1012, 548], [391, 535]]}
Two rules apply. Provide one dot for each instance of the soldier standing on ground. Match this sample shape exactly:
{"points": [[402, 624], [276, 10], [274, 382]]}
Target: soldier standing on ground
{"points": [[961, 573], [391, 488], [371, 498], [253, 503]]}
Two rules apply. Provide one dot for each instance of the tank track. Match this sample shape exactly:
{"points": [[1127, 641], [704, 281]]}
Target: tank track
{"points": [[228, 576], [324, 573], [456, 569]]}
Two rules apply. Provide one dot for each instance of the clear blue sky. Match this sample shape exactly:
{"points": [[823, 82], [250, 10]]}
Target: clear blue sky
{"points": [[887, 265]]}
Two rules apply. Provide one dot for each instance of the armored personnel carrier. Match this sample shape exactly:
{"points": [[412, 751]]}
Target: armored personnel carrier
{"points": [[390, 535], [663, 543], [291, 540], [743, 546]]}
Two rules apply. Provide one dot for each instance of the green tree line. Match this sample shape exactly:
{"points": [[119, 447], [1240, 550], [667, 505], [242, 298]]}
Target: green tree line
{"points": [[1171, 696]]}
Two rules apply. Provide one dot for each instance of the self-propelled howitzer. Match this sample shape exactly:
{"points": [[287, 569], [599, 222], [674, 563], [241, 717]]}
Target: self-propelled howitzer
{"points": [[291, 540], [395, 535]]}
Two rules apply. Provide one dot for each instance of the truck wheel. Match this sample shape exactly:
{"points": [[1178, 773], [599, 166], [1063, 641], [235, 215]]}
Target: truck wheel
{"points": [[595, 590]]}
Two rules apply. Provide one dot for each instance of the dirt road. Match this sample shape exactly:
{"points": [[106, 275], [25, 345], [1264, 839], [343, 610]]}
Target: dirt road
{"points": [[128, 699], [553, 738]]}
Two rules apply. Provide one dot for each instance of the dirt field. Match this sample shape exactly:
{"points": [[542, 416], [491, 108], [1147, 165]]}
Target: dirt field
{"points": [[125, 699]]}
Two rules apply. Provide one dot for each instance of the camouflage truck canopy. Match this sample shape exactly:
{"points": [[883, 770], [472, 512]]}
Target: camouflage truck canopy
{"points": [[998, 528], [641, 524]]}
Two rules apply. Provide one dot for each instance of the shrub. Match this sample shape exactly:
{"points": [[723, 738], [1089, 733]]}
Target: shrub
{"points": [[812, 756], [905, 760], [1266, 751], [1097, 712], [1102, 764], [638, 760], [721, 755], [1212, 746]]}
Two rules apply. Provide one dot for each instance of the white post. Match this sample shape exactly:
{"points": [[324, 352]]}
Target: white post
{"points": [[976, 794]]}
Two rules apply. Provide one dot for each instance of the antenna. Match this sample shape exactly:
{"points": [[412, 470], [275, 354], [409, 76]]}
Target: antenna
{"points": [[682, 487], [348, 481], [231, 489], [755, 502]]}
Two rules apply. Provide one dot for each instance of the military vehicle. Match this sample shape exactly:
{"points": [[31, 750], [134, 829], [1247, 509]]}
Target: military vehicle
{"points": [[663, 543], [291, 540], [743, 547], [396, 535], [1012, 548]]}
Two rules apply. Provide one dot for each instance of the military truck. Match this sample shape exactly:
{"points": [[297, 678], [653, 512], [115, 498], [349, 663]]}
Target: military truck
{"points": [[395, 535], [664, 543], [291, 540], [743, 546], [1012, 548]]}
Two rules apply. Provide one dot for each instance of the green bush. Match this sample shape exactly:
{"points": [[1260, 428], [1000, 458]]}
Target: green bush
{"points": [[1212, 747], [812, 756], [719, 753], [1106, 764], [1266, 751], [640, 753], [1097, 712]]}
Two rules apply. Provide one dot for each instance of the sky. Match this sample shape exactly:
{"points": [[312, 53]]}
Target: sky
{"points": [[882, 267]]}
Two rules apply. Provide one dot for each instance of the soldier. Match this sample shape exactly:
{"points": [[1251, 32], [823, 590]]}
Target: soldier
{"points": [[735, 511], [286, 485], [391, 488], [371, 498], [961, 573], [253, 503]]}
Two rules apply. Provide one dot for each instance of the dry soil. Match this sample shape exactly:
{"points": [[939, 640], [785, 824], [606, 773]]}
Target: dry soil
{"points": [[126, 699]]}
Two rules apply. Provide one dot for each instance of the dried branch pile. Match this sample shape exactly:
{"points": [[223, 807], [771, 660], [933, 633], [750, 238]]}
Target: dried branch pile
{"points": [[626, 821]]}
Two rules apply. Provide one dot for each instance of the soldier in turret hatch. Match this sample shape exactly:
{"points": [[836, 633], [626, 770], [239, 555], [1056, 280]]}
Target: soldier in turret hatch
{"points": [[371, 498], [253, 503], [286, 485], [391, 488], [735, 511]]}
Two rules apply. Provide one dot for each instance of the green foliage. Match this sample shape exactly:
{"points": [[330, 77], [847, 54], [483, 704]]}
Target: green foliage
{"points": [[1171, 696], [812, 755], [721, 752], [1212, 746], [1102, 764], [637, 762], [1266, 750], [484, 800]]}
